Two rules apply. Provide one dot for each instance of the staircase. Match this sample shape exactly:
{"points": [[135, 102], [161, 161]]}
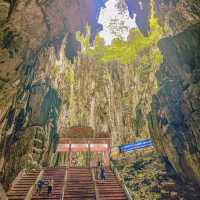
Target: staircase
{"points": [[110, 189], [58, 175], [22, 186], [79, 185]]}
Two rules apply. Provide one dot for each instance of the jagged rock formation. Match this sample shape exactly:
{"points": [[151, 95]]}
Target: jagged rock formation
{"points": [[177, 15], [29, 100], [175, 108], [174, 15], [174, 119], [104, 97]]}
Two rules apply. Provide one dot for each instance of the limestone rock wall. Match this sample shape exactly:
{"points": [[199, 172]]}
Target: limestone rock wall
{"points": [[32, 32], [173, 15], [108, 97], [29, 120], [174, 119], [177, 15], [174, 122]]}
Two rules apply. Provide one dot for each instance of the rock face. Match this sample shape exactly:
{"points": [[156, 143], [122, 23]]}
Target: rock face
{"points": [[175, 119], [31, 32], [174, 15], [104, 96], [177, 15]]}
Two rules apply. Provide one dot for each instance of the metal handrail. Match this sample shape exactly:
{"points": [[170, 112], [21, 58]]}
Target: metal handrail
{"points": [[95, 185], [62, 196], [64, 186], [18, 177], [121, 180]]}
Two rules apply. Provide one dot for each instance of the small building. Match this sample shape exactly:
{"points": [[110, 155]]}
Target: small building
{"points": [[84, 139]]}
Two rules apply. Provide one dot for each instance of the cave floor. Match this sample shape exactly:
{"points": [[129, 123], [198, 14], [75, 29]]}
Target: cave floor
{"points": [[147, 178]]}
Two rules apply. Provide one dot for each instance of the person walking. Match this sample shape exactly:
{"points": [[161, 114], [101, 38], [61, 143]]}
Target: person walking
{"points": [[39, 185], [98, 170], [50, 186], [102, 172]]}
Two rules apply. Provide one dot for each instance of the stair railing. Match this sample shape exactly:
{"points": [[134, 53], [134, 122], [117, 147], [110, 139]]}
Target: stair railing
{"points": [[62, 196], [64, 186], [121, 181], [19, 176], [95, 183]]}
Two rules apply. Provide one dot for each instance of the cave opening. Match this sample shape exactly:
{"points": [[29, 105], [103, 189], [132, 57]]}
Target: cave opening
{"points": [[115, 20]]}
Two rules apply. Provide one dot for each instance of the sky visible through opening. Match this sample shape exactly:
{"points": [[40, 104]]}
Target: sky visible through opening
{"points": [[115, 20]]}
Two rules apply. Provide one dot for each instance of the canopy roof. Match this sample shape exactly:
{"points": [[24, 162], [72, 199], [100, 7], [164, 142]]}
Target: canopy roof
{"points": [[84, 132], [80, 139]]}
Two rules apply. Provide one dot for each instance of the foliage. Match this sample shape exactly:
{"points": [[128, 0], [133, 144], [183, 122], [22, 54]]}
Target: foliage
{"points": [[70, 75], [55, 71], [84, 40], [124, 51]]}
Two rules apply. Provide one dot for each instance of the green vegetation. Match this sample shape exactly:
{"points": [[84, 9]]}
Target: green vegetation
{"points": [[125, 52], [147, 178], [70, 75], [84, 40]]}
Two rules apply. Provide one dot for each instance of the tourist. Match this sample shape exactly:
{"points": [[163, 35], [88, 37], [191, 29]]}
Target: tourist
{"points": [[98, 170], [102, 172], [39, 185], [50, 185]]}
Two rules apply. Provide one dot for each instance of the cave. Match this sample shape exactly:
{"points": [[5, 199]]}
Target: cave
{"points": [[120, 78]]}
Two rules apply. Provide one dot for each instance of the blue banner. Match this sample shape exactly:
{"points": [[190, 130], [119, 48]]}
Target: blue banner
{"points": [[136, 145]]}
